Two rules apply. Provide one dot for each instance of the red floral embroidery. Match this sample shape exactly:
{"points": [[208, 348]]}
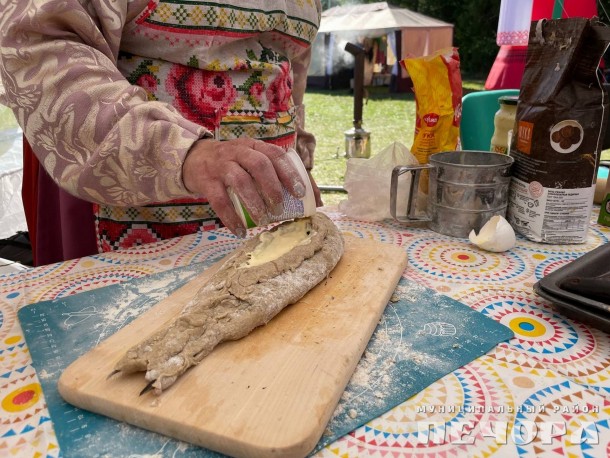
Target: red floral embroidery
{"points": [[256, 91], [280, 90], [202, 96], [138, 236], [148, 82]]}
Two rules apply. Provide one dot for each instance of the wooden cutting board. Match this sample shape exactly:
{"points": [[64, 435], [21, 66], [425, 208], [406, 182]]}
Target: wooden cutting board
{"points": [[269, 394]]}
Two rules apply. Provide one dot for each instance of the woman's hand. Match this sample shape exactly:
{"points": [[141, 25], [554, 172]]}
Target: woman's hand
{"points": [[316, 190], [253, 169]]}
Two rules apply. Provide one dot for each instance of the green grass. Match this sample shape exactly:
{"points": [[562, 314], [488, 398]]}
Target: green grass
{"points": [[388, 118]]}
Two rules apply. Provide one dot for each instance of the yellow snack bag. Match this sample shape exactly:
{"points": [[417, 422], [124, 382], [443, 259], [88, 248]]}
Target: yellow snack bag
{"points": [[437, 84]]}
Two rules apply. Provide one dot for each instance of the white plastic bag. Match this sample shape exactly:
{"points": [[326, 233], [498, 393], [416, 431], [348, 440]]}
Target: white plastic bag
{"points": [[367, 182]]}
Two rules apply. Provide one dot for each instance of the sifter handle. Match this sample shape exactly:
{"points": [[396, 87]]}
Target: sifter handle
{"points": [[415, 171]]}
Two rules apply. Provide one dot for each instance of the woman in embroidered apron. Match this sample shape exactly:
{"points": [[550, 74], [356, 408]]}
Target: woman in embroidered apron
{"points": [[140, 114]]}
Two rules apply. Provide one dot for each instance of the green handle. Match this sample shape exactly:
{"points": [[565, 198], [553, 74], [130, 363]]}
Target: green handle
{"points": [[557, 9]]}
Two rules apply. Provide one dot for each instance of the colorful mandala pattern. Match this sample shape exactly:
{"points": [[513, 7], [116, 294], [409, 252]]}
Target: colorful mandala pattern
{"points": [[371, 230], [553, 263], [452, 417], [582, 429], [7, 318], [543, 338], [552, 361], [455, 261]]}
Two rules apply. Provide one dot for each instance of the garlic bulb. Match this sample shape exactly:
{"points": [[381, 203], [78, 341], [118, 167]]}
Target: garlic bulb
{"points": [[496, 235]]}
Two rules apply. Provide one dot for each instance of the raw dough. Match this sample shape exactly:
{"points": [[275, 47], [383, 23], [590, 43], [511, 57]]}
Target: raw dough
{"points": [[240, 297]]}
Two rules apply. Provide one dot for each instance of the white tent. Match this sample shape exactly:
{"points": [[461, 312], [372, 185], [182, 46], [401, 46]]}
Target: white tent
{"points": [[407, 33], [377, 17]]}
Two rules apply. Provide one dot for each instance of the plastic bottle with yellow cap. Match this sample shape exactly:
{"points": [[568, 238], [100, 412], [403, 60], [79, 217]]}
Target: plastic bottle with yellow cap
{"points": [[504, 122]]}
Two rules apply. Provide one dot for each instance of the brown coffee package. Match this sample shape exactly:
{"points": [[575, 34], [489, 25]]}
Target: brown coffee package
{"points": [[560, 126]]}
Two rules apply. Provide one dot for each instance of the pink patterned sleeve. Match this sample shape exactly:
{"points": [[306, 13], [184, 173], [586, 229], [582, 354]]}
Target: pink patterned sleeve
{"points": [[96, 135]]}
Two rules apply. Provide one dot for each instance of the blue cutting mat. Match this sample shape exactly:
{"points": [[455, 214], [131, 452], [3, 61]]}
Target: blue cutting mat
{"points": [[421, 337]]}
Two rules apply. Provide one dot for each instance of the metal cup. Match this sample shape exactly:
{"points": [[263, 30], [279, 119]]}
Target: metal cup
{"points": [[466, 188]]}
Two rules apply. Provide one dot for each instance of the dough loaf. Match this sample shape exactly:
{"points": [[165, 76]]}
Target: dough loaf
{"points": [[237, 299]]}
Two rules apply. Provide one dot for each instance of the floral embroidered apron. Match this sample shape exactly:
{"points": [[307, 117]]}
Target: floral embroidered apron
{"points": [[224, 66]]}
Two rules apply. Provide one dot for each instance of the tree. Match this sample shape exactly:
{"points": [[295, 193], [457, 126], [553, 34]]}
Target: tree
{"points": [[475, 33]]}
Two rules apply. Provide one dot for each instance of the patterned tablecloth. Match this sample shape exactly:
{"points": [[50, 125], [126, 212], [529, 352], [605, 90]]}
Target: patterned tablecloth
{"points": [[552, 379]]}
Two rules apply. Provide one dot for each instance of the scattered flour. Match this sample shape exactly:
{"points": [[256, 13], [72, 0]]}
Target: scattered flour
{"points": [[411, 292], [376, 375], [133, 301], [44, 375]]}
